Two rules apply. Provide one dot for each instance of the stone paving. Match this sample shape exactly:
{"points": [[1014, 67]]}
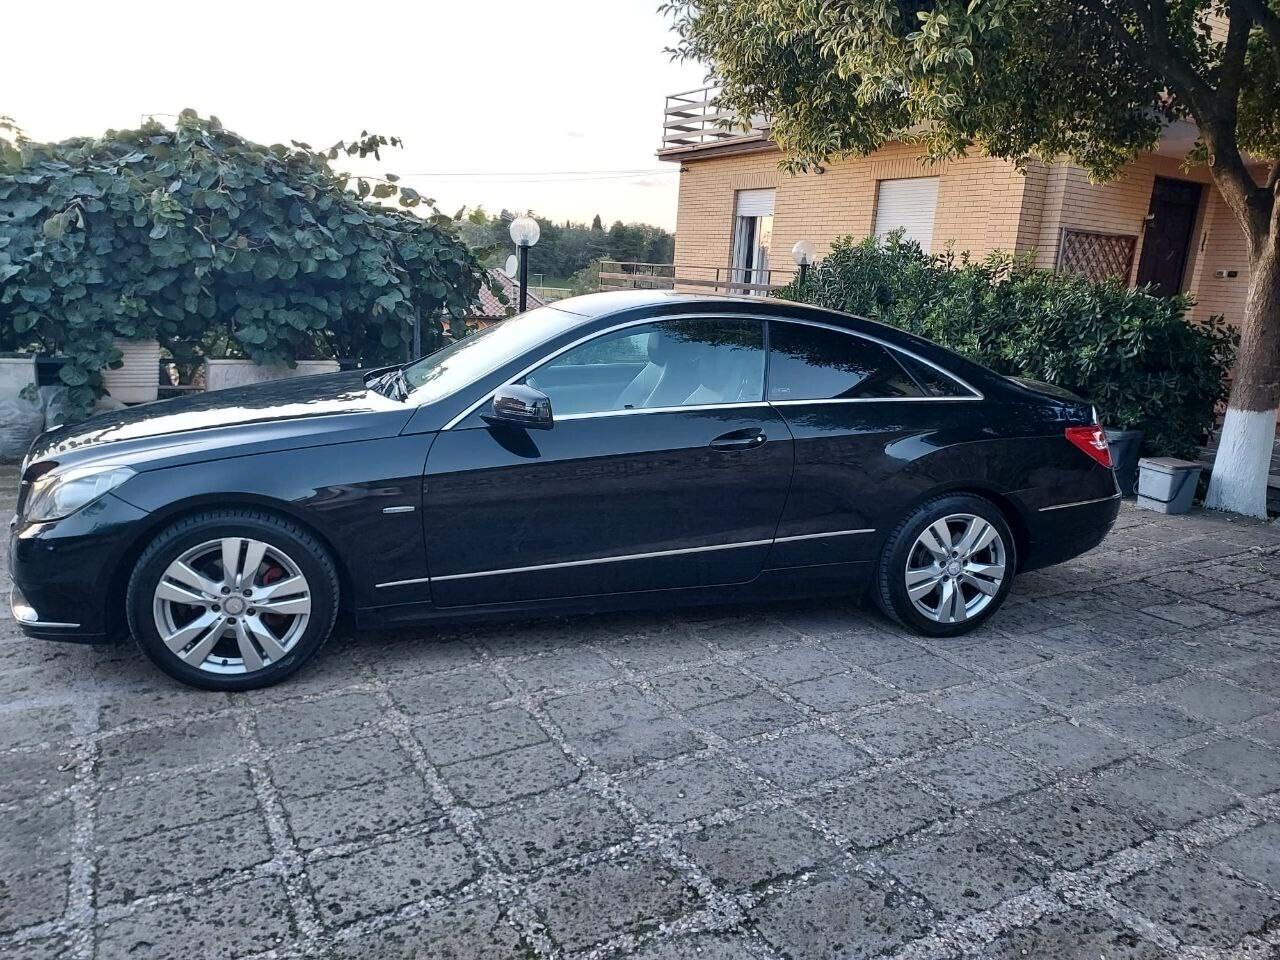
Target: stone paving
{"points": [[1097, 774]]}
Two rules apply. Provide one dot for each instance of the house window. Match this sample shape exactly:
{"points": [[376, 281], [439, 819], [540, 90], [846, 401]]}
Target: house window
{"points": [[907, 205], [752, 234]]}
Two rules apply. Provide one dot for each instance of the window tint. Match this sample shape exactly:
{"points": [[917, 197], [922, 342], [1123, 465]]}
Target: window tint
{"points": [[815, 363], [934, 381], [619, 349], [670, 363], [478, 354]]}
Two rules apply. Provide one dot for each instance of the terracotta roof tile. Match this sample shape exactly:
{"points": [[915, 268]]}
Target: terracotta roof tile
{"points": [[489, 307]]}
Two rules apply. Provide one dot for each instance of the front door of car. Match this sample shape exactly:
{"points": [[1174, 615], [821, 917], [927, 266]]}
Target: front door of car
{"points": [[664, 468]]}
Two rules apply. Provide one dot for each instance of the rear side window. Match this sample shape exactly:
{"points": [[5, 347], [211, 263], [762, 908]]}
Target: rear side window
{"points": [[817, 363], [934, 381]]}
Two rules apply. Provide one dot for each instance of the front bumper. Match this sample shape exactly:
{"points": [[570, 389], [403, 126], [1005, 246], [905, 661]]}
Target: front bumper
{"points": [[64, 572]]}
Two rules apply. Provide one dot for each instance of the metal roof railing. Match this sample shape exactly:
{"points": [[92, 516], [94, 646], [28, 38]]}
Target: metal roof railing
{"points": [[695, 118]]}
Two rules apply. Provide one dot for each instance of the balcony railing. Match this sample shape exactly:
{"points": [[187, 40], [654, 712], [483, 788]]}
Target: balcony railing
{"points": [[695, 118], [622, 275]]}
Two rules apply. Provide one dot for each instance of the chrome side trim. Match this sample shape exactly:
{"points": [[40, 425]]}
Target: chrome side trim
{"points": [[802, 403], [1081, 503], [583, 563], [695, 406], [727, 315], [621, 559], [404, 509], [402, 583], [819, 536], [26, 614]]}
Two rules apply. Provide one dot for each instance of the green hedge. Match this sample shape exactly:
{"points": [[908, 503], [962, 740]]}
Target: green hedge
{"points": [[1137, 357], [199, 238]]}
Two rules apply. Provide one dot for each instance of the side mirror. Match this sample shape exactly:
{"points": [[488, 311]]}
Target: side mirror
{"points": [[518, 405]]}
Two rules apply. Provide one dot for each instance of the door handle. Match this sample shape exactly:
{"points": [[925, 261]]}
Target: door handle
{"points": [[747, 439]]}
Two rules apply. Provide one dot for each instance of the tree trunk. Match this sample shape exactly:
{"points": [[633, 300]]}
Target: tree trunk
{"points": [[1239, 480]]}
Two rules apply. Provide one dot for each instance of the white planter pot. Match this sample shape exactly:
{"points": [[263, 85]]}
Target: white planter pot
{"points": [[15, 374], [137, 380], [221, 374], [20, 420]]}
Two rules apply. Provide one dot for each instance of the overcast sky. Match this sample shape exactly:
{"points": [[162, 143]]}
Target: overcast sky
{"points": [[499, 90]]}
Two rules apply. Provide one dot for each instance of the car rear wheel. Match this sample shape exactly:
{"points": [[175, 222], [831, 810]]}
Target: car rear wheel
{"points": [[232, 600], [948, 566]]}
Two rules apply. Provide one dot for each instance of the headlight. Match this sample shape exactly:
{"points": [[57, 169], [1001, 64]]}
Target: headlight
{"points": [[61, 493]]}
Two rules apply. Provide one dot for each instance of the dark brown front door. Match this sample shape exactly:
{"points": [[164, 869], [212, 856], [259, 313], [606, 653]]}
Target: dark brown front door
{"points": [[1168, 236]]}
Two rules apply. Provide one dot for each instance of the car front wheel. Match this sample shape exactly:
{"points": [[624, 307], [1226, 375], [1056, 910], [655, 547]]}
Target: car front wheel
{"points": [[948, 566], [232, 599]]}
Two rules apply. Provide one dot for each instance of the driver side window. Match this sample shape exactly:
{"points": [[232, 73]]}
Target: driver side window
{"points": [[670, 363]]}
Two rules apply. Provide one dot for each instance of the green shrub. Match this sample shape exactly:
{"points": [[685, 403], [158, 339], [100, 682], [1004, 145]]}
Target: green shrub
{"points": [[1137, 357], [195, 236]]}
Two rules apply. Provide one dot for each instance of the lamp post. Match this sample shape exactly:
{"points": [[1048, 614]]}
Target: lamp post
{"points": [[803, 253], [524, 233]]}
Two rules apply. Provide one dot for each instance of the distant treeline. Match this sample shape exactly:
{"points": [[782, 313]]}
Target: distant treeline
{"points": [[565, 248]]}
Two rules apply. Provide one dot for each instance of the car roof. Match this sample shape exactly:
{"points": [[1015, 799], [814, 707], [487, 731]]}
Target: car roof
{"points": [[617, 301], [617, 304]]}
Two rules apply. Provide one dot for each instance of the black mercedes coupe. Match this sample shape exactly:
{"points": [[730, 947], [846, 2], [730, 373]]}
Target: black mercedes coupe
{"points": [[617, 450]]}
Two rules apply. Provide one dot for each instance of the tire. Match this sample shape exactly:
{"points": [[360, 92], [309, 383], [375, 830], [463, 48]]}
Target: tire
{"points": [[221, 640], [912, 555]]}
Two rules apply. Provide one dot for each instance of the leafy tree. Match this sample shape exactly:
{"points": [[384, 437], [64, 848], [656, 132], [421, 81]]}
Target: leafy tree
{"points": [[1094, 80], [566, 248], [195, 232]]}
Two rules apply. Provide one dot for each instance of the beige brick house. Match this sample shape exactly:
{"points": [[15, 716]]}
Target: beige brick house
{"points": [[739, 215]]}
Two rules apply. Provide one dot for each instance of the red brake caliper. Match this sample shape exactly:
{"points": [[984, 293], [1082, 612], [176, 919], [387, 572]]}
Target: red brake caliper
{"points": [[276, 620]]}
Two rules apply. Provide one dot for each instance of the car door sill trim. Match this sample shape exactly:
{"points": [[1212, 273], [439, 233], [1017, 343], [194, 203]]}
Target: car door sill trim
{"points": [[1080, 503], [819, 536]]}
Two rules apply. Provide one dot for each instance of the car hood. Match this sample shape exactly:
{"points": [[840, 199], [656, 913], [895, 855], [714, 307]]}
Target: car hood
{"points": [[299, 411]]}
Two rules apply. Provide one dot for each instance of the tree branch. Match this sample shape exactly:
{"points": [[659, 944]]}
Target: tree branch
{"points": [[1233, 57], [1216, 120], [1122, 35], [1265, 17], [1164, 58], [1268, 20]]}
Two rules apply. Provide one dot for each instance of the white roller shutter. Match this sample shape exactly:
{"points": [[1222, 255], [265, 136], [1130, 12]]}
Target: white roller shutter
{"points": [[907, 205], [755, 203]]}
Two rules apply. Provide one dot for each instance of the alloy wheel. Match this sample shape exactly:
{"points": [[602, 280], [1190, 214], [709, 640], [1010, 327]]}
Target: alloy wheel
{"points": [[232, 605], [955, 568]]}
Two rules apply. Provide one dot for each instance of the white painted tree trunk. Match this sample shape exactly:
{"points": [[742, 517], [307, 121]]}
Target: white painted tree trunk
{"points": [[1239, 481]]}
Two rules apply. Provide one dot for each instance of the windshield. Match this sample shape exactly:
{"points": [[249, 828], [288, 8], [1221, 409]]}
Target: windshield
{"points": [[449, 369]]}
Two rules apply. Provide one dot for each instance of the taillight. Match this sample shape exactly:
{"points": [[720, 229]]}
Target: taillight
{"points": [[1093, 441]]}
